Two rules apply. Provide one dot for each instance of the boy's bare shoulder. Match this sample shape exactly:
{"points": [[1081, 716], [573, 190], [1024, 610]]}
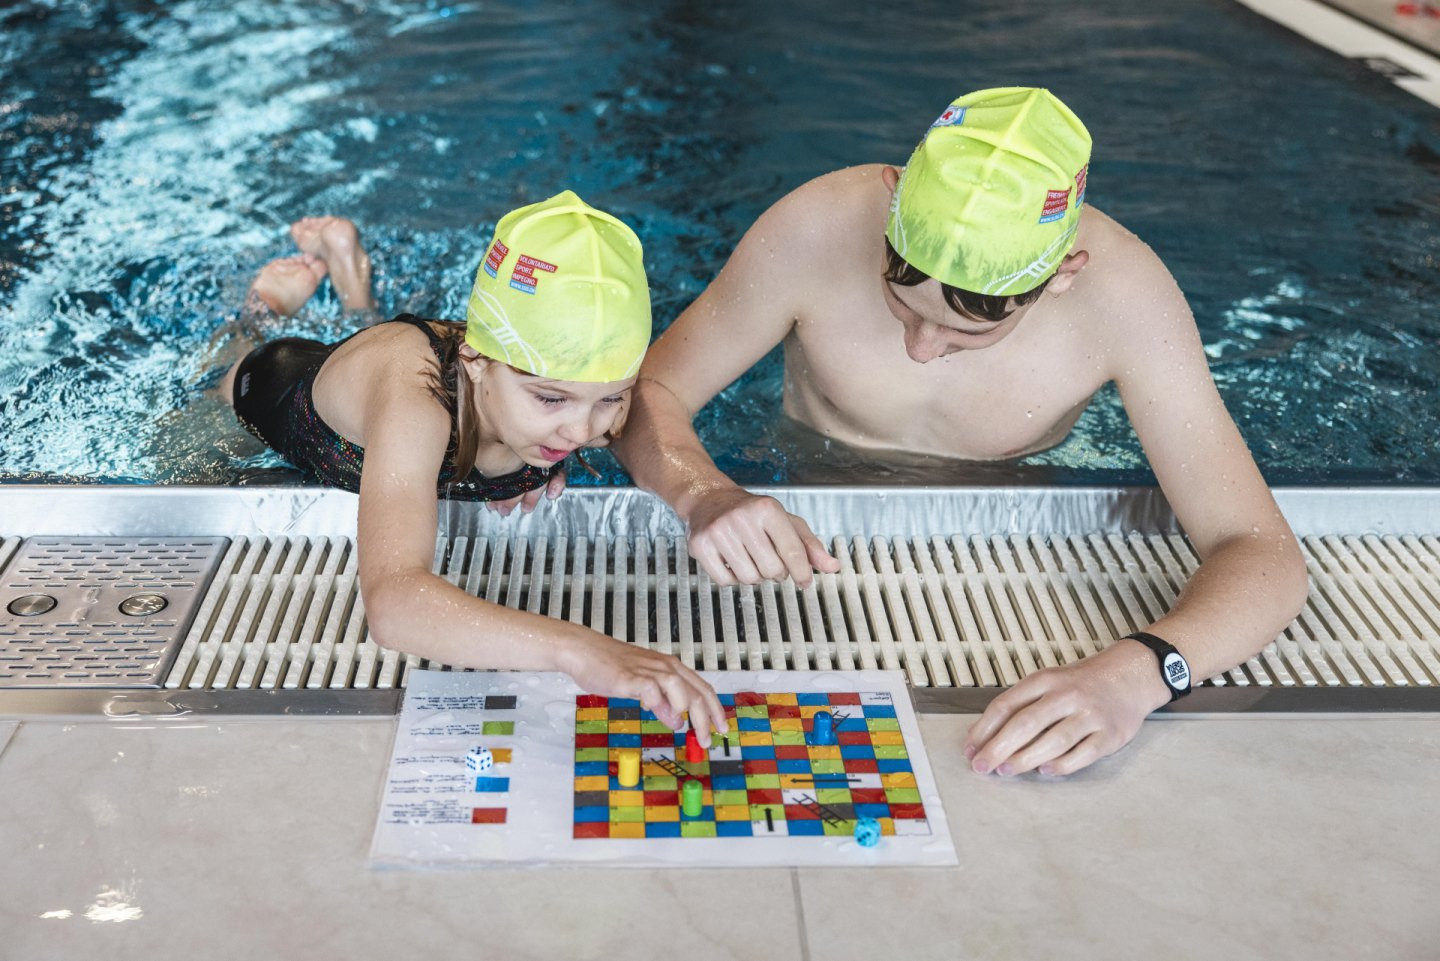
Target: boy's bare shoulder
{"points": [[1124, 271], [1136, 302], [832, 209]]}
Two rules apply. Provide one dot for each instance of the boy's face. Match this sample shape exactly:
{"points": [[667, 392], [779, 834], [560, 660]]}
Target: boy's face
{"points": [[933, 330]]}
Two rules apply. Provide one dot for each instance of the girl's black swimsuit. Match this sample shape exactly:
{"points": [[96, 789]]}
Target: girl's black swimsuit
{"points": [[273, 399]]}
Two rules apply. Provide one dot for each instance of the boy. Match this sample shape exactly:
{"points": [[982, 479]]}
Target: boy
{"points": [[969, 306]]}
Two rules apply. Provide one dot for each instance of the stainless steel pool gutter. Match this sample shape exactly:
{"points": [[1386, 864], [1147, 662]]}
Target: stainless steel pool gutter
{"points": [[966, 589]]}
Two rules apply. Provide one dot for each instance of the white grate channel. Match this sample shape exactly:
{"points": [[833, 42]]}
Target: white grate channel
{"points": [[952, 612]]}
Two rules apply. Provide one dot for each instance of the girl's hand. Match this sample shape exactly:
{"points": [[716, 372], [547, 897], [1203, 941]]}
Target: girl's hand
{"points": [[552, 489], [662, 684]]}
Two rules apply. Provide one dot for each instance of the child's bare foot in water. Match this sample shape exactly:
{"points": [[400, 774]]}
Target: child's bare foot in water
{"points": [[336, 241], [284, 285]]}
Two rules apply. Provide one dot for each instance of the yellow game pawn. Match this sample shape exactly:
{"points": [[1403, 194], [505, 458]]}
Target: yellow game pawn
{"points": [[629, 767]]}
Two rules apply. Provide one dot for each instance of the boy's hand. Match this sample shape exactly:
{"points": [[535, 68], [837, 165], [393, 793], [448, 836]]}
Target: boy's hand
{"points": [[1062, 719], [662, 684], [744, 538]]}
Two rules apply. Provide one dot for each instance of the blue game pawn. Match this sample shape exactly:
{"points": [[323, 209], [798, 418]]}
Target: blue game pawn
{"points": [[823, 729], [867, 832]]}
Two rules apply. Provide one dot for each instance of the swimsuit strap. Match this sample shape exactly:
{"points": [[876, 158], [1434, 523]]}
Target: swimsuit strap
{"points": [[475, 485]]}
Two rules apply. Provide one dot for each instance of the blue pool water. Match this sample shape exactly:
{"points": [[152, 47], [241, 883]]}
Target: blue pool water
{"points": [[153, 154]]}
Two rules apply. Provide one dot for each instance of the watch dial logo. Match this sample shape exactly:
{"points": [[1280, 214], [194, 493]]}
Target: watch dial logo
{"points": [[1177, 672]]}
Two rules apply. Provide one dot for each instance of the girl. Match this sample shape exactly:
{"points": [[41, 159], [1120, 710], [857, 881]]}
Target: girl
{"points": [[409, 410]]}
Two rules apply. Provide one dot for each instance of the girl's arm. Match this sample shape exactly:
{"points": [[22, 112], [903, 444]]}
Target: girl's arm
{"points": [[413, 610]]}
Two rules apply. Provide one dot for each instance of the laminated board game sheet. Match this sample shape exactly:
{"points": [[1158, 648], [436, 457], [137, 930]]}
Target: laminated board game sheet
{"points": [[548, 788]]}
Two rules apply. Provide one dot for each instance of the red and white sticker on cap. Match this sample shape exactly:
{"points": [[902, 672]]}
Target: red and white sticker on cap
{"points": [[522, 278], [495, 258], [1055, 203], [1080, 184], [953, 116]]}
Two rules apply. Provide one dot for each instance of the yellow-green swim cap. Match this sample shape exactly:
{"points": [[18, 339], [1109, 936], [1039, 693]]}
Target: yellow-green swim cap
{"points": [[562, 294], [990, 200]]}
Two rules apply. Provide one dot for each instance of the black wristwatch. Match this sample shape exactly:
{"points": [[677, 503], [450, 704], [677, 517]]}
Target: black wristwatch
{"points": [[1174, 669]]}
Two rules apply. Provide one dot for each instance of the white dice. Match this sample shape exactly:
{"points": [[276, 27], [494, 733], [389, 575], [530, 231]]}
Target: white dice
{"points": [[478, 761]]}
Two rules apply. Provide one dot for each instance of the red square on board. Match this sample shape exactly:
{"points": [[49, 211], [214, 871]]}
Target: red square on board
{"points": [[861, 765], [784, 710], [592, 740], [657, 740], [851, 738], [591, 700], [794, 812], [487, 816], [867, 795], [761, 767], [655, 799], [764, 795], [912, 811], [748, 699], [592, 829], [836, 699], [792, 752]]}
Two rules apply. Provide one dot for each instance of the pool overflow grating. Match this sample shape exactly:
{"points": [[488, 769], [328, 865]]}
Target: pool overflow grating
{"points": [[278, 613]]}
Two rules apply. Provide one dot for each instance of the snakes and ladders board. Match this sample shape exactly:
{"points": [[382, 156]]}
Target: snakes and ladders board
{"points": [[551, 793]]}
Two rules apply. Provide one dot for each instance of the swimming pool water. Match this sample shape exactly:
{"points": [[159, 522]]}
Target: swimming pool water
{"points": [[153, 154]]}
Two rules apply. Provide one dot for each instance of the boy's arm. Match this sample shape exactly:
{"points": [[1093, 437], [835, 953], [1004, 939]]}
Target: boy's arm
{"points": [[737, 537], [1251, 581]]}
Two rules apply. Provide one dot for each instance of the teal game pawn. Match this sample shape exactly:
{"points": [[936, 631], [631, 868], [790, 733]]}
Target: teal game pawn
{"points": [[867, 832], [692, 798]]}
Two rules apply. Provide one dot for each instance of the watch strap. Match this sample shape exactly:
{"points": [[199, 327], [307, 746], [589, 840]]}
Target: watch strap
{"points": [[1174, 669]]}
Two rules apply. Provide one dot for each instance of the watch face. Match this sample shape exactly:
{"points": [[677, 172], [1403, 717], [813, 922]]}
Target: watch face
{"points": [[1177, 672]]}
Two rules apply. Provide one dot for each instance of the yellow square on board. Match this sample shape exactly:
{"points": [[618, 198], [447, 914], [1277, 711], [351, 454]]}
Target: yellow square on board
{"points": [[667, 812], [780, 698], [887, 737], [898, 779], [500, 754], [732, 812], [627, 829], [592, 713], [624, 727], [626, 799], [786, 724], [592, 782]]}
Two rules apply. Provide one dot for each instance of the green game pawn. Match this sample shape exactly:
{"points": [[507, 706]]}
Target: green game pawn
{"points": [[692, 798]]}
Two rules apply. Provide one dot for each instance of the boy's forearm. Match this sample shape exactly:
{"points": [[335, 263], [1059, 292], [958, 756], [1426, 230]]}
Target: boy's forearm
{"points": [[662, 452], [1238, 600]]}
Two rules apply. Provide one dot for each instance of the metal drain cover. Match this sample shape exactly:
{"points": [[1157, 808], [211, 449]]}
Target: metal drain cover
{"points": [[31, 605], [100, 612]]}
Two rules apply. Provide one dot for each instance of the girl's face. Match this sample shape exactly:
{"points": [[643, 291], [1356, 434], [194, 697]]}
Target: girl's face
{"points": [[544, 420]]}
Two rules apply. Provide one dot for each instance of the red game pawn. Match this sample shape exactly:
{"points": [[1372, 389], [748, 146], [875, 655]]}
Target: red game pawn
{"points": [[694, 753]]}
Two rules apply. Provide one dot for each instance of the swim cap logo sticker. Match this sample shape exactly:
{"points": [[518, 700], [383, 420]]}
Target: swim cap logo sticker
{"points": [[953, 116], [494, 258], [1055, 203], [1080, 185], [523, 277]]}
